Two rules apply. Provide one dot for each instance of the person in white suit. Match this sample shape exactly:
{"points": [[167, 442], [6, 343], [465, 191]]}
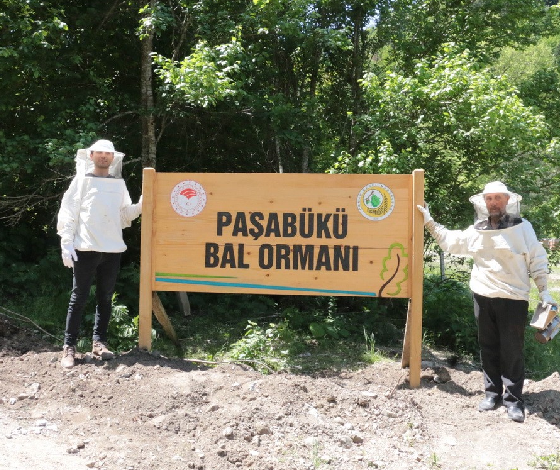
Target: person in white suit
{"points": [[94, 210], [506, 254]]}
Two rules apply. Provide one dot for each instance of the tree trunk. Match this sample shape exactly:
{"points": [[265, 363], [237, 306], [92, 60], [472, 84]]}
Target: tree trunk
{"points": [[149, 141], [357, 70], [278, 154]]}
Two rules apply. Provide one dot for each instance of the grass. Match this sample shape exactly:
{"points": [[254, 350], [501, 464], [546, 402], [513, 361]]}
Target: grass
{"points": [[315, 335], [541, 360], [271, 345], [434, 461], [256, 330], [547, 462]]}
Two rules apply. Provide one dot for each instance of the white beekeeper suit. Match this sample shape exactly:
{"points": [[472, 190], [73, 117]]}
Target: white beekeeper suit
{"points": [[506, 253], [504, 259], [94, 210]]}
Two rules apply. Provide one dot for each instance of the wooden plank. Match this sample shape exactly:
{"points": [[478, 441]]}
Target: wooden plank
{"points": [[405, 359], [417, 280], [146, 268], [171, 275], [251, 235], [161, 315], [184, 303]]}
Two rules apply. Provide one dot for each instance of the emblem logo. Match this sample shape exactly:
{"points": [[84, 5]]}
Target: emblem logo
{"points": [[188, 198], [375, 201]]}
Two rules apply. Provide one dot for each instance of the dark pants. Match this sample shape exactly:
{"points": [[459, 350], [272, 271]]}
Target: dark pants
{"points": [[104, 267], [501, 336]]}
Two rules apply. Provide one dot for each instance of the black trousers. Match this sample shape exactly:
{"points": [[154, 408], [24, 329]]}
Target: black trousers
{"points": [[104, 268], [501, 336]]}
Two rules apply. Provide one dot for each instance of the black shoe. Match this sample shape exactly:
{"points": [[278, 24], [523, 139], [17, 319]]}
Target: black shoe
{"points": [[516, 413], [489, 403]]}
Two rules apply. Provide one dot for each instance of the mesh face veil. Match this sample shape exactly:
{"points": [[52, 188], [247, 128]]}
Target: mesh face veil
{"points": [[85, 165], [513, 207]]}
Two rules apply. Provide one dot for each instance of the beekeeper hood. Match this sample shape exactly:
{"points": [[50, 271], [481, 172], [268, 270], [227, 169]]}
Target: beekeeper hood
{"points": [[84, 164], [481, 212]]}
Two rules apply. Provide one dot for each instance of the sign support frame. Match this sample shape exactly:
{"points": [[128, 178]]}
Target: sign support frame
{"points": [[412, 345]]}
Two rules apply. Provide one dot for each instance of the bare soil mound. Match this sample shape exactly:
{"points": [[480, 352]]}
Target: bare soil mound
{"points": [[144, 411]]}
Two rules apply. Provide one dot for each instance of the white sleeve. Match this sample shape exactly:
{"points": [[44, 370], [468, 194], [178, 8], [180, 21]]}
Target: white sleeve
{"points": [[129, 211], [537, 261], [454, 242], [69, 213]]}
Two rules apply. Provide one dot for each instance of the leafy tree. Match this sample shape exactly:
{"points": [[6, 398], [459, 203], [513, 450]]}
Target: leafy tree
{"points": [[457, 121], [279, 75], [416, 29], [535, 72], [265, 85], [64, 83]]}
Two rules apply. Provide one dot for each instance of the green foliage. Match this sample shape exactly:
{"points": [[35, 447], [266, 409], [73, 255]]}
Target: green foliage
{"points": [[417, 28], [448, 319], [258, 330], [265, 348], [36, 293], [331, 327], [123, 329], [268, 86], [547, 462], [157, 18], [348, 319], [534, 71], [520, 64], [458, 122], [122, 334], [371, 354], [541, 360], [313, 345], [202, 78]]}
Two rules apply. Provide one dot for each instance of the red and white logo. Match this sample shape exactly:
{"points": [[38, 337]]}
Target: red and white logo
{"points": [[188, 198]]}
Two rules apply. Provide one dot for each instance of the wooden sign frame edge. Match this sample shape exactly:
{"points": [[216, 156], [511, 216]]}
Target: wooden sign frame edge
{"points": [[412, 346]]}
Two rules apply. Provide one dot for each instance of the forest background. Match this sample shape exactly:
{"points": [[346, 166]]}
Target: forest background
{"points": [[468, 90]]}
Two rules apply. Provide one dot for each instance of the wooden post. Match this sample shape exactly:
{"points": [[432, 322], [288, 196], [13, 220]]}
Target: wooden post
{"points": [[415, 314], [184, 304], [146, 271], [405, 360], [188, 245], [163, 319]]}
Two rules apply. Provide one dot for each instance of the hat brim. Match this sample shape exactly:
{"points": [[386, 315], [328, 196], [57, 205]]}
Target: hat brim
{"points": [[514, 198], [90, 149]]}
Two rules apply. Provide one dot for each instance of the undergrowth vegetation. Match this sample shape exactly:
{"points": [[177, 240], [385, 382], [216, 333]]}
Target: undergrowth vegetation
{"points": [[294, 334], [297, 334]]}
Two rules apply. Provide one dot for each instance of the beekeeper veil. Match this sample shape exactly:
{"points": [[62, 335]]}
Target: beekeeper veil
{"points": [[84, 164], [481, 212]]}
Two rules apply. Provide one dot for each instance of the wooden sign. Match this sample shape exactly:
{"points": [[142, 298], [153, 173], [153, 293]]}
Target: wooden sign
{"points": [[299, 234]]}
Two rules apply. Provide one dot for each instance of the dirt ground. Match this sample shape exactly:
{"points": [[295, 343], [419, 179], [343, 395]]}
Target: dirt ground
{"points": [[142, 411]]}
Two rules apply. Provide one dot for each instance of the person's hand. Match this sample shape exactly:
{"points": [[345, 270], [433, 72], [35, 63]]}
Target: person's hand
{"points": [[546, 298], [425, 212], [69, 255]]}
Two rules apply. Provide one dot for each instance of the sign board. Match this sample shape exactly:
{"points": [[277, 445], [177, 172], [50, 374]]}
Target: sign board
{"points": [[299, 234]]}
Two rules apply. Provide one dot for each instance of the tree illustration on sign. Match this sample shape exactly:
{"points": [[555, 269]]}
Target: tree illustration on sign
{"points": [[374, 200], [395, 270]]}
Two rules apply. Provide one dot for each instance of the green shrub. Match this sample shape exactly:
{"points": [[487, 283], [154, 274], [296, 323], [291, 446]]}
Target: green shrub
{"points": [[348, 318], [122, 334], [448, 318], [541, 360], [265, 348]]}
